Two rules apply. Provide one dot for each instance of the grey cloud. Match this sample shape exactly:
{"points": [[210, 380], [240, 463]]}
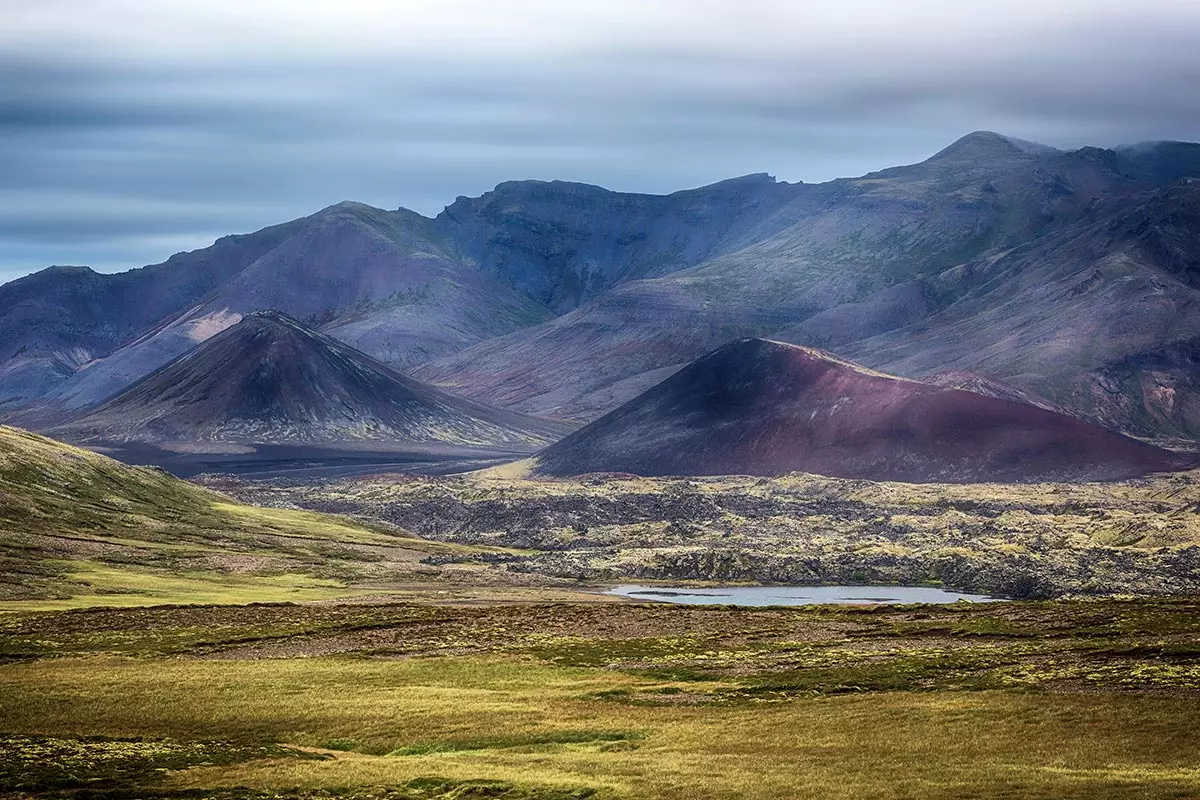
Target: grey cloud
{"points": [[120, 135]]}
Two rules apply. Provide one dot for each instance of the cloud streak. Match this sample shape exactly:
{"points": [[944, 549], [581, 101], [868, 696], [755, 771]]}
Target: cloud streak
{"points": [[128, 125]]}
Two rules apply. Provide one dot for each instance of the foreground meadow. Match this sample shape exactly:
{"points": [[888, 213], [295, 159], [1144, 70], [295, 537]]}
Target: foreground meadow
{"points": [[1024, 700]]}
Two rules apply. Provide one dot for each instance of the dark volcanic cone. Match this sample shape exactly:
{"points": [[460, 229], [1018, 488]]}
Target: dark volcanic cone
{"points": [[765, 408], [270, 379]]}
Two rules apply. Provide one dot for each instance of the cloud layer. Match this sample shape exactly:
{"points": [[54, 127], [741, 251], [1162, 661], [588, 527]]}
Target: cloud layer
{"points": [[132, 129]]}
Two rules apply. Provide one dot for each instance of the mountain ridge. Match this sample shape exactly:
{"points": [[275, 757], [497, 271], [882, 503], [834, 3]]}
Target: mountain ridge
{"points": [[831, 272], [642, 283]]}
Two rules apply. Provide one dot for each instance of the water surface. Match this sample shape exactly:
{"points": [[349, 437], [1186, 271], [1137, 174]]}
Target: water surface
{"points": [[795, 595]]}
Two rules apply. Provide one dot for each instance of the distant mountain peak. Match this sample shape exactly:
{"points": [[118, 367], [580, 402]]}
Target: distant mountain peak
{"points": [[271, 315], [746, 351], [982, 144], [273, 322], [1153, 144], [521, 188], [64, 270], [533, 185], [270, 379], [349, 209], [348, 205], [751, 179]]}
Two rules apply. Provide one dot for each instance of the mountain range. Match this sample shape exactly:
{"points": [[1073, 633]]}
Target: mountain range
{"points": [[1068, 279], [1064, 275]]}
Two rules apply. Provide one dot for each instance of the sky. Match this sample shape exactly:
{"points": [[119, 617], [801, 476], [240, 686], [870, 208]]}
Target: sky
{"points": [[134, 129]]}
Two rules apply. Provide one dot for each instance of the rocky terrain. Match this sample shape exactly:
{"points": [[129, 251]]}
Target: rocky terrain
{"points": [[269, 379], [399, 286], [1034, 540], [759, 407], [564, 243], [1095, 318]]}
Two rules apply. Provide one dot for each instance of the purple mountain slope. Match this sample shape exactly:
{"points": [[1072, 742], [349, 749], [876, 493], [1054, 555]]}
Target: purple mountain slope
{"points": [[766, 408], [1065, 275], [269, 379], [1062, 274]]}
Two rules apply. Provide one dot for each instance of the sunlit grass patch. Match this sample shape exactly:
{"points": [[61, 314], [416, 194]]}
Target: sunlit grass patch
{"points": [[541, 743], [105, 585], [528, 726], [626, 702], [79, 529]]}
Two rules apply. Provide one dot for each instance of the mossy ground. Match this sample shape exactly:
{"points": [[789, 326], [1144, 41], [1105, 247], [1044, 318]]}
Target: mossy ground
{"points": [[1030, 541], [550, 701], [1092, 699], [78, 529]]}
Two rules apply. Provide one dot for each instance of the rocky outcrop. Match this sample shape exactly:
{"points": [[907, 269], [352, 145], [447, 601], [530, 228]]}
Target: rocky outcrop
{"points": [[564, 243]]}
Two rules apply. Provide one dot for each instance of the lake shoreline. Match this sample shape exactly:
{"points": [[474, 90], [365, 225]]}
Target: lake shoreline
{"points": [[784, 595]]}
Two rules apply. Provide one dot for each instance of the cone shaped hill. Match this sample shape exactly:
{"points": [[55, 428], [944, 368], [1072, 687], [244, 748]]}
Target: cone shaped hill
{"points": [[761, 407], [271, 379]]}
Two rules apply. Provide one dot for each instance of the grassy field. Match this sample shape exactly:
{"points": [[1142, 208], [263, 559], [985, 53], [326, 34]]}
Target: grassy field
{"points": [[78, 529], [1031, 700], [107, 695]]}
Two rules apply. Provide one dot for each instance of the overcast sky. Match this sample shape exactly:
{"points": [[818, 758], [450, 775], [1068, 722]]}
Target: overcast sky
{"points": [[132, 129]]}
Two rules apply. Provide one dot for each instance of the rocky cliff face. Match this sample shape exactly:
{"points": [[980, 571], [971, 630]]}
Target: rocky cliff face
{"points": [[1092, 318], [1029, 266], [565, 243]]}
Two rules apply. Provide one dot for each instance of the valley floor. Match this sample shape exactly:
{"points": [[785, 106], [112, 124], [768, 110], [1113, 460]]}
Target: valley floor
{"points": [[1079, 699], [1034, 541], [308, 462], [441, 644]]}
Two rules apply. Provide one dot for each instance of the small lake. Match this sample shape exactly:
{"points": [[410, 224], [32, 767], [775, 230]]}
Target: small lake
{"points": [[795, 595]]}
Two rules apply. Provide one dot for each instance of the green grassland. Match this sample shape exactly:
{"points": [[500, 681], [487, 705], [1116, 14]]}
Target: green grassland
{"points": [[80, 529], [1069, 699], [105, 694]]}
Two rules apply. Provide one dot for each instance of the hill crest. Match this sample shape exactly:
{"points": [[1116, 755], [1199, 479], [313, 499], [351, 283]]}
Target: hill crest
{"points": [[761, 407]]}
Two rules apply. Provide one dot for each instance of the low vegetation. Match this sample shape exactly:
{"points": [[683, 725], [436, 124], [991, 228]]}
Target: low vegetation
{"points": [[242, 699], [80, 529], [1079, 699], [1018, 540]]}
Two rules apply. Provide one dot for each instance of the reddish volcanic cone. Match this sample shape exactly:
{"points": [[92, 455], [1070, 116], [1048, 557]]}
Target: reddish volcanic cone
{"points": [[766, 408]]}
